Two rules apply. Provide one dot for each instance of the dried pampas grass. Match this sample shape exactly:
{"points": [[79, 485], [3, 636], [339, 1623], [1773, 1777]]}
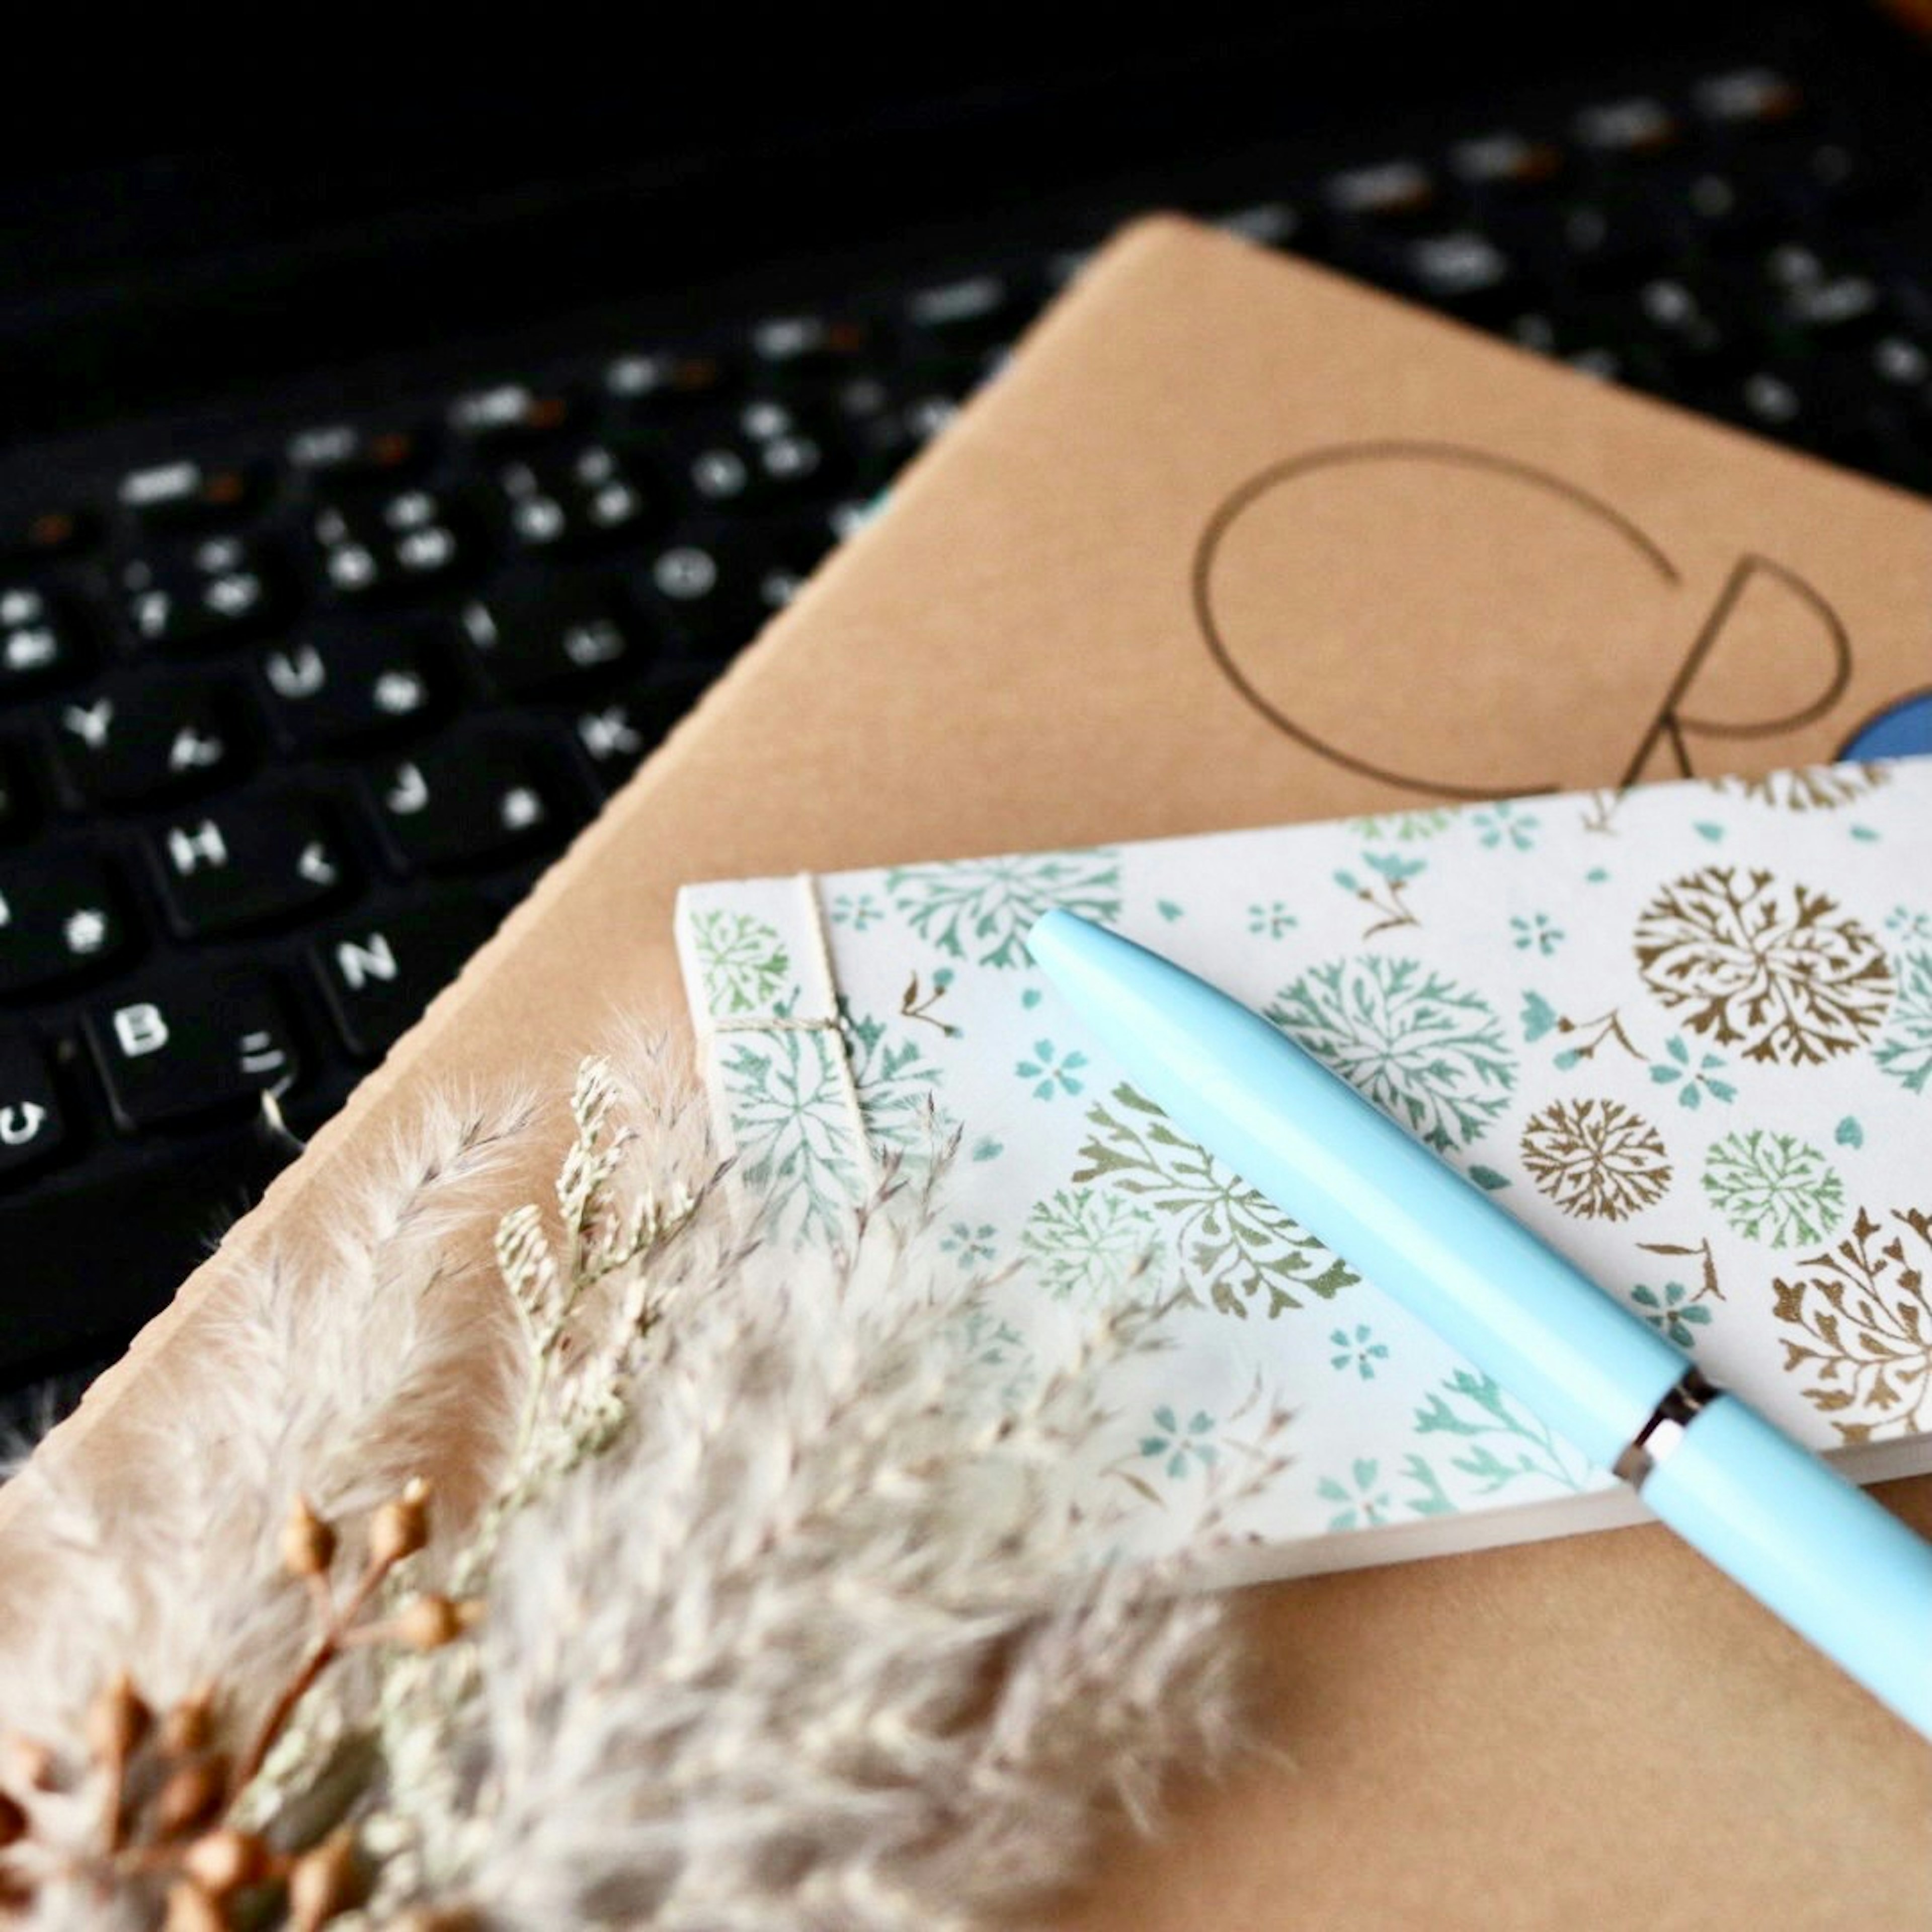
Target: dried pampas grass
{"points": [[762, 1615]]}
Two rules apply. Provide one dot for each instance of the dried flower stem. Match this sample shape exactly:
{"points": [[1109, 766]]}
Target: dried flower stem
{"points": [[769, 1615], [337, 1631]]}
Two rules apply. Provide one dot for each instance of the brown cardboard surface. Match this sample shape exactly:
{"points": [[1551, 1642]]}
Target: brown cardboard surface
{"points": [[1233, 541]]}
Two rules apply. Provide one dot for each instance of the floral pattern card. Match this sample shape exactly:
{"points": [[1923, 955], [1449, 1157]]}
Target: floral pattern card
{"points": [[1684, 1032]]}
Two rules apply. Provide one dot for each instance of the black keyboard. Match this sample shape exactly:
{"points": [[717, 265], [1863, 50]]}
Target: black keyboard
{"points": [[289, 718]]}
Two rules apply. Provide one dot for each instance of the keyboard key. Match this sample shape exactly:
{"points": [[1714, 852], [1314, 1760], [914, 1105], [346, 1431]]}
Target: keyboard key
{"points": [[471, 801], [134, 742], [783, 344], [1461, 269], [535, 632], [32, 1126], [722, 467], [255, 860], [43, 641], [787, 554], [658, 385], [510, 412], [1633, 129], [615, 737], [221, 588], [613, 742], [182, 494], [177, 1044], [1748, 98], [1506, 163], [62, 916], [1898, 360], [887, 423], [576, 500], [707, 593], [343, 685], [376, 540], [1389, 193], [1843, 308], [974, 310], [377, 975], [1691, 332], [347, 451], [1269, 224], [1770, 399]]}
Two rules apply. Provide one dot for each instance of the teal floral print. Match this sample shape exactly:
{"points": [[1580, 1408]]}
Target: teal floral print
{"points": [[1269, 919], [858, 911], [1692, 1074], [1502, 1441], [1507, 826], [1774, 1188], [1539, 1017], [971, 1247], [1671, 1311], [982, 909], [743, 961], [1906, 1051], [1406, 826], [1363, 1495], [1538, 933], [1241, 1250], [1085, 1243], [791, 1115], [1386, 891], [1052, 1072], [1905, 923], [1181, 1446], [1588, 1036], [1428, 1051], [1360, 1351], [996, 1354], [791, 1120], [895, 1080]]}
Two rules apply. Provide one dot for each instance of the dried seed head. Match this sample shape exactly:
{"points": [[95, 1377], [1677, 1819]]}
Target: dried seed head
{"points": [[430, 1621], [13, 1821], [191, 1909], [30, 1764], [325, 1881], [190, 1797], [188, 1727], [117, 1720], [308, 1542], [224, 1861], [400, 1529]]}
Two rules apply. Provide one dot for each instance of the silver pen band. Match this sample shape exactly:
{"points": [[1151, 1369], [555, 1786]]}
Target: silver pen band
{"points": [[1657, 1440]]}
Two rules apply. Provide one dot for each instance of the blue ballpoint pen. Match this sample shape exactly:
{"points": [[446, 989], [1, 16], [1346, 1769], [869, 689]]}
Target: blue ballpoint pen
{"points": [[1833, 1563]]}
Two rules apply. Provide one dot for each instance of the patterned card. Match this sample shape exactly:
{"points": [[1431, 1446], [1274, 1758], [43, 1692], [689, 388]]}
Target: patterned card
{"points": [[1684, 1032]]}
